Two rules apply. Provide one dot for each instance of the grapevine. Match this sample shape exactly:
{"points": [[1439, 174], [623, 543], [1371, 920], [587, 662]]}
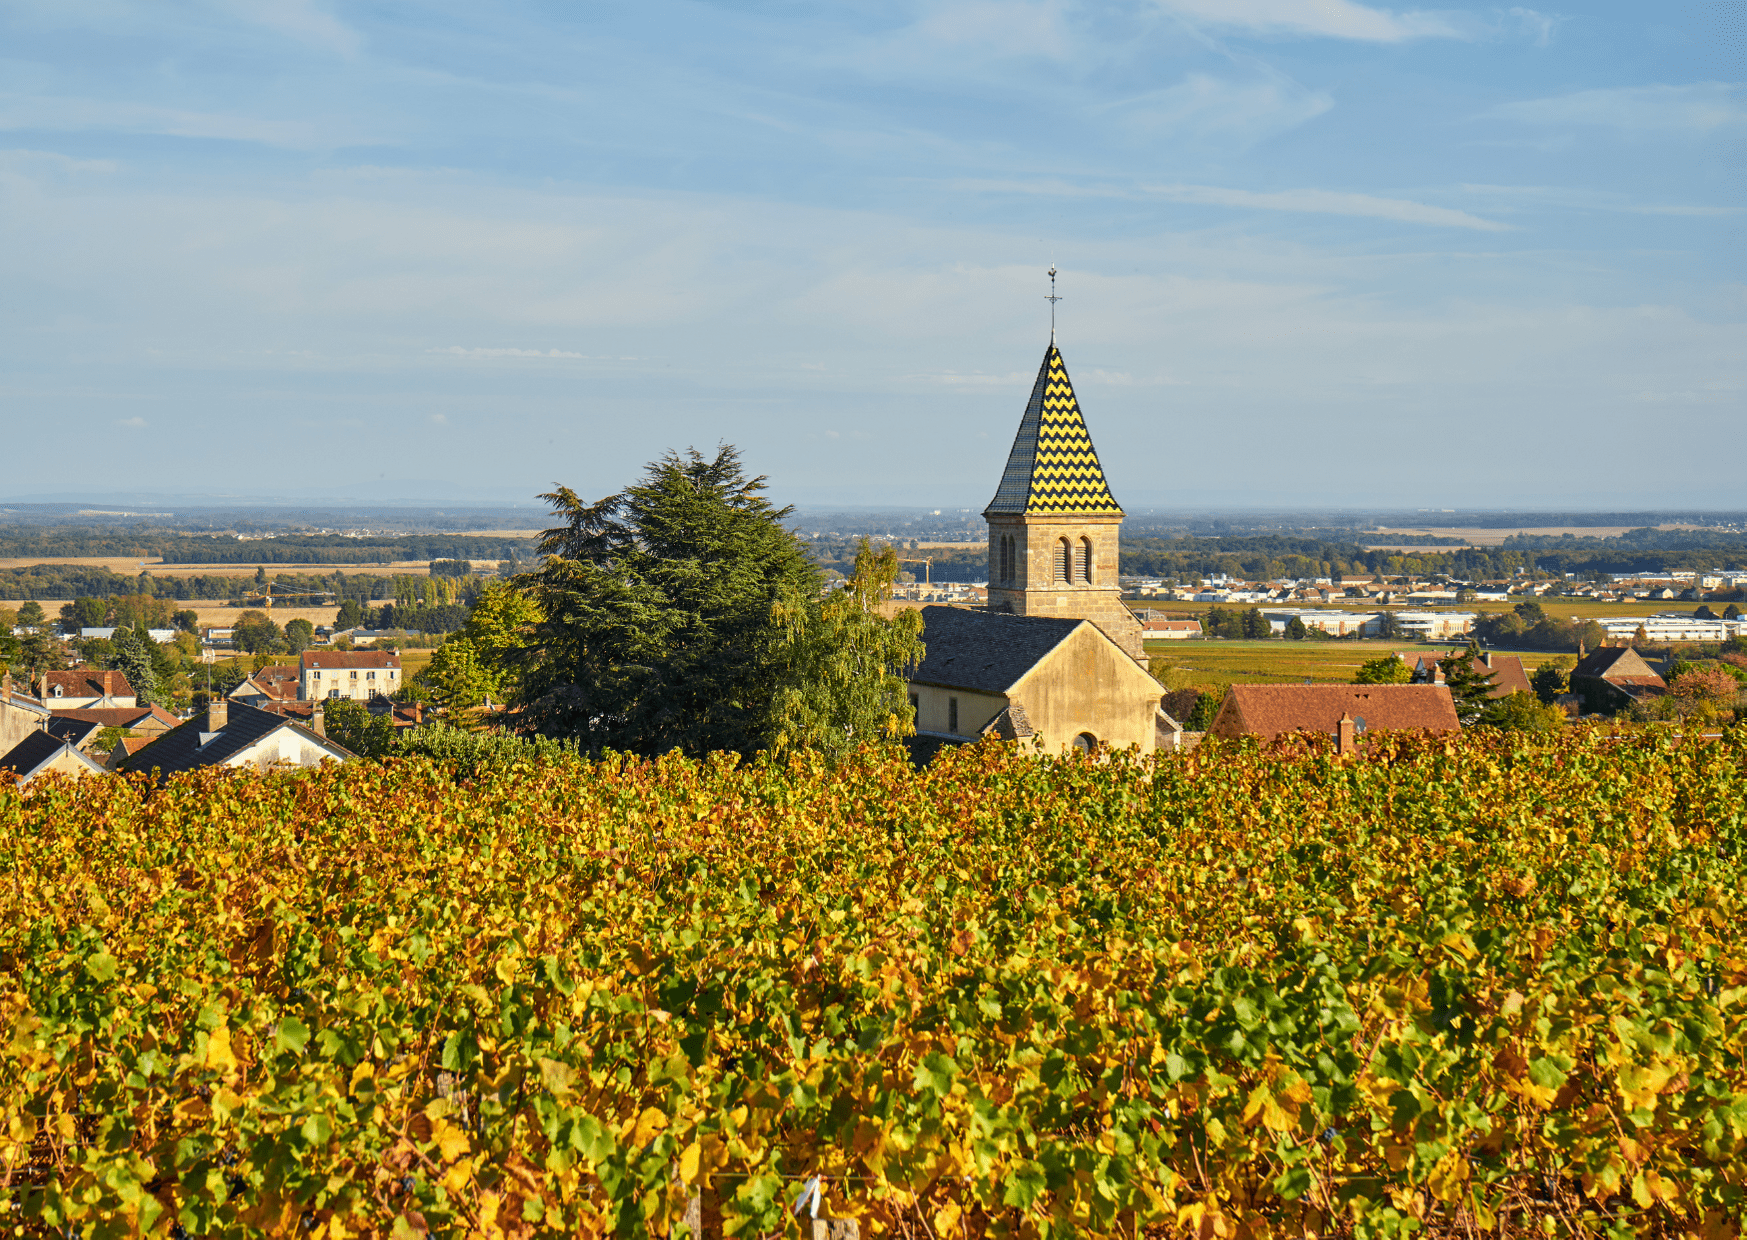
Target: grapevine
{"points": [[1494, 983]]}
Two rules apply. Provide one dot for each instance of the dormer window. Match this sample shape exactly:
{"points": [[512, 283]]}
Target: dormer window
{"points": [[60, 692]]}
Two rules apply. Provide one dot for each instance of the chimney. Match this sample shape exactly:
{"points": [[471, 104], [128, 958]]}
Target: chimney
{"points": [[1345, 735], [318, 721], [217, 714], [1486, 658]]}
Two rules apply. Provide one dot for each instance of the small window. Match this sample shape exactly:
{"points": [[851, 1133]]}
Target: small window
{"points": [[1086, 561], [1085, 742], [369, 675], [354, 675], [60, 692], [952, 714], [333, 693], [1064, 565]]}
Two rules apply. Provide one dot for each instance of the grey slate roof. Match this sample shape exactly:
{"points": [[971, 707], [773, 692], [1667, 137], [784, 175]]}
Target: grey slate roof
{"points": [[181, 749], [73, 731], [36, 749], [985, 651]]}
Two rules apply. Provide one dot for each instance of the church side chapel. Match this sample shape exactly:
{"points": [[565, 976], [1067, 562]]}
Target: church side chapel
{"points": [[1055, 659]]}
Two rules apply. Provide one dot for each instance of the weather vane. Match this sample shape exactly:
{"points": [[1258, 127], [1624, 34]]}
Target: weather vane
{"points": [[1052, 299]]}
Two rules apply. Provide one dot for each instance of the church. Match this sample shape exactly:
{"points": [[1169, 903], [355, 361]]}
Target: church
{"points": [[1054, 659]]}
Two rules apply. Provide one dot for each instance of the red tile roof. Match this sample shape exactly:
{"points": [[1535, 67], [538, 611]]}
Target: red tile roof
{"points": [[85, 682], [278, 682], [347, 658], [1268, 710]]}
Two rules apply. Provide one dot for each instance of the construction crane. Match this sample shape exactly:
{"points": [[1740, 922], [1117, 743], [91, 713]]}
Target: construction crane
{"points": [[927, 569]]}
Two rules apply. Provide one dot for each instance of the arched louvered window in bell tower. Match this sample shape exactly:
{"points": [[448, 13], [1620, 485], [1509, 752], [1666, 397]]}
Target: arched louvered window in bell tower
{"points": [[1085, 560], [1064, 562]]}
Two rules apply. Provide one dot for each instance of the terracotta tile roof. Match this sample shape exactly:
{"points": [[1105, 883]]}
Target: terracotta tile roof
{"points": [[1508, 676], [1268, 710], [278, 682], [85, 682], [347, 658], [1171, 626]]}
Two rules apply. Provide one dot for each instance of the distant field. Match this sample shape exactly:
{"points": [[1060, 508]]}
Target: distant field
{"points": [[1282, 662], [130, 566], [1553, 607], [1492, 538]]}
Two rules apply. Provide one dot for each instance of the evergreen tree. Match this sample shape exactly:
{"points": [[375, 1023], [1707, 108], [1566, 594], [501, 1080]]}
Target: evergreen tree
{"points": [[1548, 682], [1256, 624], [1468, 685], [1295, 630], [129, 656], [31, 616], [842, 683], [657, 604]]}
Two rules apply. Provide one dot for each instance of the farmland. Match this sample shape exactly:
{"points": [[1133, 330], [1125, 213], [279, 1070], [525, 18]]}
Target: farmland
{"points": [[1281, 662]]}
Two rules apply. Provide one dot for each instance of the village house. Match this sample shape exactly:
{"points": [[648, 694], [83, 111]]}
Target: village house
{"points": [[235, 734], [1170, 630], [356, 674], [42, 752], [1507, 671], [146, 720], [85, 688], [1613, 678], [279, 683], [20, 713]]}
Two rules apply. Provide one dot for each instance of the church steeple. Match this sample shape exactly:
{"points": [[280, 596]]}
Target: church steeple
{"points": [[1053, 466], [1054, 526]]}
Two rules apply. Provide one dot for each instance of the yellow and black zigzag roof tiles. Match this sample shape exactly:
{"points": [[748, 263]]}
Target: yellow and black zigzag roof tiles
{"points": [[1053, 466]]}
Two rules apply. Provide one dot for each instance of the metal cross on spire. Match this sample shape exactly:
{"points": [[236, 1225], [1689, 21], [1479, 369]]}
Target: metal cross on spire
{"points": [[1052, 299]]}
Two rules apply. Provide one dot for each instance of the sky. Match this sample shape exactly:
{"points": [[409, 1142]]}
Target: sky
{"points": [[1311, 252]]}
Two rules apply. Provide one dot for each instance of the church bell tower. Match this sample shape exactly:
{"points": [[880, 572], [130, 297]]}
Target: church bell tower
{"points": [[1053, 524]]}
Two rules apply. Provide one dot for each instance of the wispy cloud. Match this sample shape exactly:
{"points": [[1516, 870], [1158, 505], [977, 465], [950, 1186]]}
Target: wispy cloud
{"points": [[1335, 19], [1508, 196], [303, 20], [134, 423], [456, 350], [1202, 106], [1328, 202], [1001, 27], [1700, 106], [75, 114]]}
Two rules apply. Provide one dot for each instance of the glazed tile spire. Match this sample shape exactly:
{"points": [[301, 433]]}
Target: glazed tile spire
{"points": [[1053, 466]]}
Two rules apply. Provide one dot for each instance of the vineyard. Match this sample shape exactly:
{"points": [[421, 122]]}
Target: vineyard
{"points": [[1489, 985]]}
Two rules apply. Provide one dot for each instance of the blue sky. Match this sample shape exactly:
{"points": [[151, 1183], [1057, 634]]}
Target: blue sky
{"points": [[1313, 251]]}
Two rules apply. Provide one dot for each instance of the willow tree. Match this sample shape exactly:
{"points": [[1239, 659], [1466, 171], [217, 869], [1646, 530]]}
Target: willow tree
{"points": [[842, 663]]}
